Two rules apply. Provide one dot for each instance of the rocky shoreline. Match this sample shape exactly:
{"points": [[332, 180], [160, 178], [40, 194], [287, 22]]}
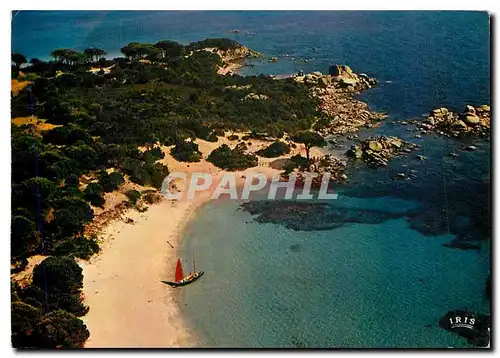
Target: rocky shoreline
{"points": [[335, 93], [472, 122], [335, 167], [377, 151], [234, 59]]}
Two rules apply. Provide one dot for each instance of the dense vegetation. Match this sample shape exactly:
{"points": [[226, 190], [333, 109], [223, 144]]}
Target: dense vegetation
{"points": [[186, 151], [232, 159], [97, 113], [275, 149], [44, 314], [309, 139]]}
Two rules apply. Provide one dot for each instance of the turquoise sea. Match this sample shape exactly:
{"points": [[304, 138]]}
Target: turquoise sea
{"points": [[371, 271]]}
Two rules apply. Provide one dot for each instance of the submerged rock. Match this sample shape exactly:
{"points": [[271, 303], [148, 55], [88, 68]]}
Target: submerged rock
{"points": [[295, 247], [318, 215], [462, 245]]}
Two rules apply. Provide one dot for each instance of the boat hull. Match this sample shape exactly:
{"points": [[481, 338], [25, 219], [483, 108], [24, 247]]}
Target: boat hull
{"points": [[185, 281]]}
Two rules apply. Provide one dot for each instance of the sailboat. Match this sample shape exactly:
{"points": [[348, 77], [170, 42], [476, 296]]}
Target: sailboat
{"points": [[180, 280]]}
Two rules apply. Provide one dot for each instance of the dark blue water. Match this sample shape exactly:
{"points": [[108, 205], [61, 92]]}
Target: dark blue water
{"points": [[376, 282], [432, 58]]}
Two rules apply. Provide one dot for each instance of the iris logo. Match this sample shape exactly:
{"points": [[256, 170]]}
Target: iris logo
{"points": [[462, 321], [475, 327]]}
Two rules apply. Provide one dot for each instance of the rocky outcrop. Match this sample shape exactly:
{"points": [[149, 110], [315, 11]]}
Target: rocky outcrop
{"points": [[346, 78], [335, 94], [238, 88], [238, 53], [473, 121], [340, 77], [377, 151], [330, 164], [326, 164], [255, 96], [233, 58]]}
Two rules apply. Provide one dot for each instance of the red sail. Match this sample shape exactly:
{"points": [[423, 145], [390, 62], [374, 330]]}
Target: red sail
{"points": [[179, 275]]}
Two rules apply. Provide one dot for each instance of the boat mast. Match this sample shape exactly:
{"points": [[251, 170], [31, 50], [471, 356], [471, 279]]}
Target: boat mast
{"points": [[194, 264]]}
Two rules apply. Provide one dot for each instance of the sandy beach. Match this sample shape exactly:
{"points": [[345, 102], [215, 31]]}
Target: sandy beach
{"points": [[129, 306]]}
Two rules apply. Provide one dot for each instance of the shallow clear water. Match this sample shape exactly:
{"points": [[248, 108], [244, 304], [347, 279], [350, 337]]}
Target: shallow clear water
{"points": [[359, 285]]}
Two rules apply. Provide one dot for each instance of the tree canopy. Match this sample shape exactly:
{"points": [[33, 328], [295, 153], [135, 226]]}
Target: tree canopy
{"points": [[186, 151], [275, 149], [232, 159], [58, 274], [61, 329], [18, 59], [310, 139], [135, 50], [94, 54], [68, 56]]}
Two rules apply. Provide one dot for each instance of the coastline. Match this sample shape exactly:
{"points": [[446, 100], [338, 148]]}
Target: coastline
{"points": [[429, 204], [129, 306]]}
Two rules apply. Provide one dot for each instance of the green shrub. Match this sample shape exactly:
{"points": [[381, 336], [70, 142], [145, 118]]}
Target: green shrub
{"points": [[24, 319], [275, 149], [79, 246], [51, 301], [69, 216], [61, 329], [72, 181], [151, 198], [153, 154], [299, 161], [94, 193], [110, 182], [58, 274], [212, 138], [25, 238], [186, 151], [133, 196], [235, 159], [30, 77]]}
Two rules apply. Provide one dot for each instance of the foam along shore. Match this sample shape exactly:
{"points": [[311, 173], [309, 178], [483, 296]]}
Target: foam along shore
{"points": [[129, 306]]}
